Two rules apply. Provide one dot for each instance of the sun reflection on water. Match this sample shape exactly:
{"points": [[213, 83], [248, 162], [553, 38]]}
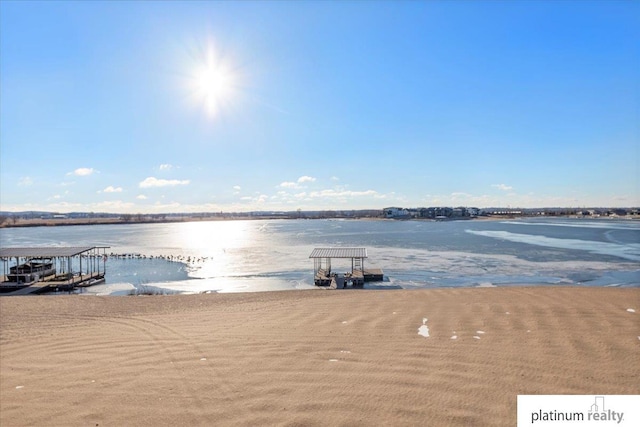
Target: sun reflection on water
{"points": [[219, 245], [207, 237]]}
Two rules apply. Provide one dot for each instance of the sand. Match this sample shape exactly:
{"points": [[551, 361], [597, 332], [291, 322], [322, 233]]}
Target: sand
{"points": [[402, 357]]}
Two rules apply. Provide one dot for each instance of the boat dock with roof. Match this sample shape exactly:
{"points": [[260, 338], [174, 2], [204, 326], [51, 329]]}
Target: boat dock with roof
{"points": [[42, 269], [323, 276]]}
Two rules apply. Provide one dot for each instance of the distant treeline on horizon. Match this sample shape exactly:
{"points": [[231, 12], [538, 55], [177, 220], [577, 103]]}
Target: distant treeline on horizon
{"points": [[392, 212]]}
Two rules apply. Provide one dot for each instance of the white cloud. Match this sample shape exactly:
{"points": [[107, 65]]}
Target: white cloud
{"points": [[345, 193], [259, 199], [112, 189], [335, 178], [174, 206], [297, 184], [59, 196], [289, 184], [306, 178], [152, 182], [503, 187], [322, 200], [114, 206], [25, 181], [530, 200], [459, 194], [166, 167], [82, 172]]}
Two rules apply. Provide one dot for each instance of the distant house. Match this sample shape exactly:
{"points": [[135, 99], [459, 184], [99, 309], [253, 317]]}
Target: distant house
{"points": [[444, 212], [53, 216], [427, 212], [432, 212], [413, 212], [459, 212], [396, 213]]}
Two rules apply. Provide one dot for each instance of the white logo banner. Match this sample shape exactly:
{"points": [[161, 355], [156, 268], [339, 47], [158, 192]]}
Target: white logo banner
{"points": [[579, 410]]}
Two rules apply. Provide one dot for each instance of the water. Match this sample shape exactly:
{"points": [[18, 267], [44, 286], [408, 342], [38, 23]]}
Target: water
{"points": [[237, 256]]}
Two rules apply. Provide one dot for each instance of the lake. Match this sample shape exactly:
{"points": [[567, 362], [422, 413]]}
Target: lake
{"points": [[248, 256]]}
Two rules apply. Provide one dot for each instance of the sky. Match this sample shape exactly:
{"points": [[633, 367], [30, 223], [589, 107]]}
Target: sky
{"points": [[158, 107]]}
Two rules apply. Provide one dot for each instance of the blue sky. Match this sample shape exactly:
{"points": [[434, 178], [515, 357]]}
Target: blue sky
{"points": [[210, 106]]}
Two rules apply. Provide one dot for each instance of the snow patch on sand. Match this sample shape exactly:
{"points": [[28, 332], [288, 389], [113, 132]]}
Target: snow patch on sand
{"points": [[486, 285], [424, 329]]}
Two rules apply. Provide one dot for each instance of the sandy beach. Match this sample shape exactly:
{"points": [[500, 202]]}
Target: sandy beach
{"points": [[402, 357]]}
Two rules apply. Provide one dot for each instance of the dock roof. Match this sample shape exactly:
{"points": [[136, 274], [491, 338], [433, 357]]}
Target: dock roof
{"points": [[339, 253], [45, 252]]}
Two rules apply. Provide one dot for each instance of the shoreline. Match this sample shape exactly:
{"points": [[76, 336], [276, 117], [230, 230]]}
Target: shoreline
{"points": [[38, 222], [448, 356]]}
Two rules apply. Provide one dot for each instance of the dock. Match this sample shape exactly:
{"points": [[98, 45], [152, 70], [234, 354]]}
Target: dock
{"points": [[14, 288], [41, 269], [34, 288], [355, 278]]}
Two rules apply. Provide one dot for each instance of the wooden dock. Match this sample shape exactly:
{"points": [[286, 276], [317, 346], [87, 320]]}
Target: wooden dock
{"points": [[16, 289], [32, 270], [34, 288], [357, 279], [373, 275]]}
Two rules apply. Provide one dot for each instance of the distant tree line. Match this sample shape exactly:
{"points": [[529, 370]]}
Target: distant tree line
{"points": [[8, 219]]}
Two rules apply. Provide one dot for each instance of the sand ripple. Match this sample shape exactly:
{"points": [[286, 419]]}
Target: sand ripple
{"points": [[311, 357]]}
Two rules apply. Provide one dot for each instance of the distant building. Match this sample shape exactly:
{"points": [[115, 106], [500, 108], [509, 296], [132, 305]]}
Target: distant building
{"points": [[459, 212], [444, 212], [427, 212], [394, 212], [413, 213]]}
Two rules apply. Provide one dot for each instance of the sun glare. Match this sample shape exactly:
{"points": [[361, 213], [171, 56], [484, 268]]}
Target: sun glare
{"points": [[213, 83], [213, 86]]}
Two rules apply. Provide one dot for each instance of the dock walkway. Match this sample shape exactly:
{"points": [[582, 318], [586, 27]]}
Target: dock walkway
{"points": [[34, 288], [45, 286]]}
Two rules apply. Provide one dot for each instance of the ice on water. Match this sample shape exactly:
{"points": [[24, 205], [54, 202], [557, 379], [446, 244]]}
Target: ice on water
{"points": [[248, 256]]}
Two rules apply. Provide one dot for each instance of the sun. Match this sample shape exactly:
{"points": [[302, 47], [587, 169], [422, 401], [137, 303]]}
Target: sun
{"points": [[213, 83], [213, 86]]}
